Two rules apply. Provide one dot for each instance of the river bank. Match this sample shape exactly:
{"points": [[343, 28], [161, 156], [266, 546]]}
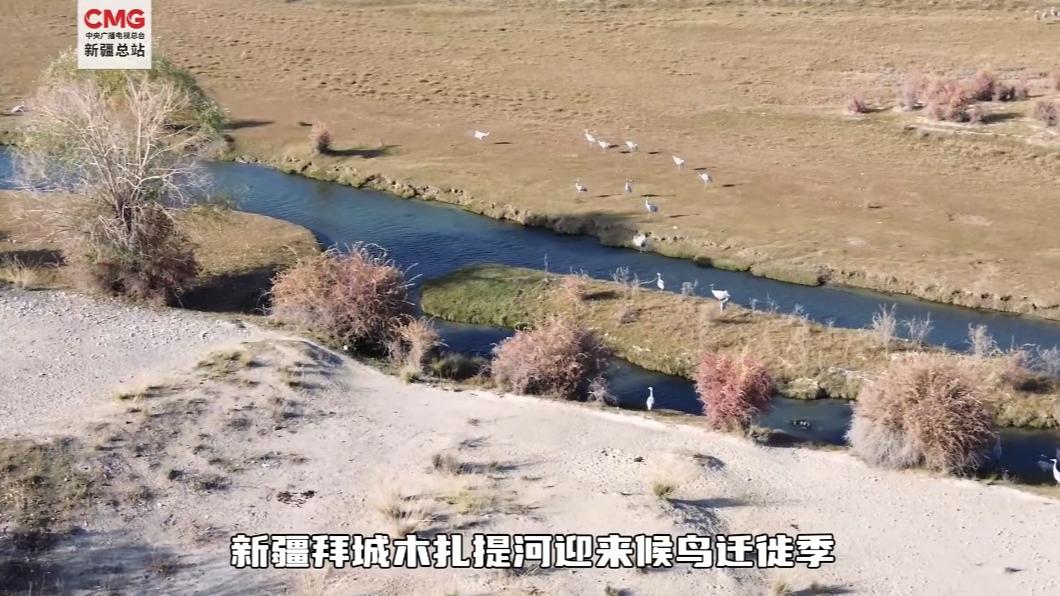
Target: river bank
{"points": [[667, 332], [221, 442], [803, 193]]}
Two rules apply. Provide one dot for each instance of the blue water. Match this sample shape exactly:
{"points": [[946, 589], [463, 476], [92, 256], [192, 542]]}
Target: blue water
{"points": [[433, 239]]}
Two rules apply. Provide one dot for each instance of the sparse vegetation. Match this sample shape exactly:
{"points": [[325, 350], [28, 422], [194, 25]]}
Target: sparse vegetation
{"points": [[733, 390], [414, 346], [924, 410], [662, 489], [358, 298], [981, 343], [13, 271], [856, 104], [884, 326], [201, 110], [1047, 111], [320, 138], [919, 329], [558, 357], [458, 367], [406, 514]]}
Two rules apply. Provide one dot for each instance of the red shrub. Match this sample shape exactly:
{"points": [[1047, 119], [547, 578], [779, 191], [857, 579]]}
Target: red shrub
{"points": [[733, 390], [949, 101], [983, 86], [856, 104], [359, 298], [558, 357]]}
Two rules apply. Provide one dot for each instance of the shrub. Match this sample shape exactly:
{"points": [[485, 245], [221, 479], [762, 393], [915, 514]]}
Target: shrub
{"points": [[924, 410], [358, 298], [1056, 79], [949, 101], [201, 110], [320, 138], [126, 168], [458, 367], [884, 326], [856, 104], [1017, 91], [558, 357], [980, 342], [983, 86], [574, 287], [733, 390], [910, 97], [1047, 112], [414, 344]]}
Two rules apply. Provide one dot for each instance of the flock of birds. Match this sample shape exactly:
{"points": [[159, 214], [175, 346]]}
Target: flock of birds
{"points": [[1046, 14], [640, 240]]}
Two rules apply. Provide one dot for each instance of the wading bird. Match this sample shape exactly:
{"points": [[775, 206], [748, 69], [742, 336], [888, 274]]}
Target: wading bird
{"points": [[705, 177], [579, 187], [1054, 462], [632, 146], [480, 135], [589, 137], [651, 207], [640, 240], [18, 109], [659, 283], [629, 186], [722, 296], [604, 145], [680, 163], [650, 403]]}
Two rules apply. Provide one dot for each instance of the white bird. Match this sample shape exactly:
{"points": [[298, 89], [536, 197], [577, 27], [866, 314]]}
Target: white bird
{"points": [[680, 163], [640, 240], [629, 186], [659, 281], [480, 135], [632, 146], [579, 187], [705, 177], [651, 207], [650, 403], [605, 145], [722, 296], [18, 109], [589, 136]]}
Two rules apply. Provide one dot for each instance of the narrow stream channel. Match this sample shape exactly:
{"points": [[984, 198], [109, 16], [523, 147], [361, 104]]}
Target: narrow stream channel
{"points": [[435, 239]]}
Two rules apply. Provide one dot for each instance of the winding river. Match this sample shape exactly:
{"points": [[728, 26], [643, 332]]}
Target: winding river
{"points": [[433, 239]]}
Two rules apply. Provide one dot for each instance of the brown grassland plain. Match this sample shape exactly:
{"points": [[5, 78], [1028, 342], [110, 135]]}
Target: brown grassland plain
{"points": [[885, 200]]}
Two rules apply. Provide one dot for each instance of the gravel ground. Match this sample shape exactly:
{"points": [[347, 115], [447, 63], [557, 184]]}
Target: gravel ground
{"points": [[60, 352]]}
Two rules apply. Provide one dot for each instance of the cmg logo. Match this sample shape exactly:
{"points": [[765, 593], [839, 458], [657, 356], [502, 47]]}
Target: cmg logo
{"points": [[131, 19]]}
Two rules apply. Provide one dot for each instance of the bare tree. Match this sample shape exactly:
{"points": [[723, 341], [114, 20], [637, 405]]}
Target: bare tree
{"points": [[126, 167]]}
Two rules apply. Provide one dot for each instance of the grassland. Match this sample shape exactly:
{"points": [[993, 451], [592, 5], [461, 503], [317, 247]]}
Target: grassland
{"points": [[667, 332]]}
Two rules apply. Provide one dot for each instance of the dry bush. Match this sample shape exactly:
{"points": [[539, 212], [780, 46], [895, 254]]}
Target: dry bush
{"points": [[947, 100], [919, 329], [359, 298], [1017, 91], [13, 271], [884, 326], [574, 287], [1056, 79], [127, 167], [414, 345], [600, 391], [980, 342], [320, 138], [1048, 361], [1047, 111], [733, 390], [558, 357], [983, 86], [924, 410], [856, 104], [911, 94]]}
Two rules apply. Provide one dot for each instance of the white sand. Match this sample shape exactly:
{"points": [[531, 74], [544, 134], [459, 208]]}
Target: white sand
{"points": [[561, 468]]}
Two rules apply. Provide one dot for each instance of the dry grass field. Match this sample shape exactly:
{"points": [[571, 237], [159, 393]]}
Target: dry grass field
{"points": [[888, 200]]}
